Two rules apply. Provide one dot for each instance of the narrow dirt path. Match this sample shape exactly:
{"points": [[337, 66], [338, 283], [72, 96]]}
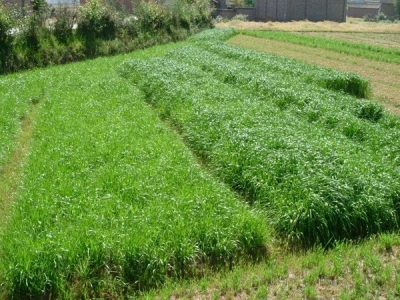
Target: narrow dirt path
{"points": [[13, 168], [384, 77]]}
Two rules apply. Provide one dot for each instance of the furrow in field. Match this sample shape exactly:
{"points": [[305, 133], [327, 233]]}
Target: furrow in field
{"points": [[12, 170], [19, 102]]}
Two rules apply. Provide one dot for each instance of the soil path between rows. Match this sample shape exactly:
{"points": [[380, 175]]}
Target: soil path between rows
{"points": [[13, 168], [384, 77]]}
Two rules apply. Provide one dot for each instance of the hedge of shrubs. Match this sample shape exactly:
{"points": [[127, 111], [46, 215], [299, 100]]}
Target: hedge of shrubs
{"points": [[42, 35]]}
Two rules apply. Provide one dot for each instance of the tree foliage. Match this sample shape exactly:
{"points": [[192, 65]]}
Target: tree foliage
{"points": [[397, 6]]}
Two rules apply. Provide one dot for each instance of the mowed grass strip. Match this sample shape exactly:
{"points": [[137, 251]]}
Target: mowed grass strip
{"points": [[17, 95], [111, 200], [380, 53], [319, 180], [19, 102], [384, 77]]}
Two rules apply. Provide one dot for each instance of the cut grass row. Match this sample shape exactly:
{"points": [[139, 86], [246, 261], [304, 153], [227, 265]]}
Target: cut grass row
{"points": [[111, 200], [327, 176], [374, 52]]}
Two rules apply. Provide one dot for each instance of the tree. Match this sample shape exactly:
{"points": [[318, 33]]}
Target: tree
{"points": [[397, 7]]}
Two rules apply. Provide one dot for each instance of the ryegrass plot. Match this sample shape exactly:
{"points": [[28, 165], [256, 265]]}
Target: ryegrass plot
{"points": [[353, 118], [331, 79], [112, 200], [320, 179]]}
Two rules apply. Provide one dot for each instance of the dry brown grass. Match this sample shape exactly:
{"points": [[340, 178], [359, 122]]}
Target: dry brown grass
{"points": [[352, 25], [384, 77], [368, 270]]}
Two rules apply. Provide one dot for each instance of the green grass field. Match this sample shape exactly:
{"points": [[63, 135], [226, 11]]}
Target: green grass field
{"points": [[177, 161]]}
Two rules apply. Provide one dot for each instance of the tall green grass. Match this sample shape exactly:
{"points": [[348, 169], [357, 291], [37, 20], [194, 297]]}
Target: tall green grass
{"points": [[350, 83], [111, 200], [379, 53], [323, 164]]}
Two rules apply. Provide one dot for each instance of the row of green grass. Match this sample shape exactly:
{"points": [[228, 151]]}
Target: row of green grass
{"points": [[276, 84], [274, 65], [111, 200], [324, 165], [379, 53]]}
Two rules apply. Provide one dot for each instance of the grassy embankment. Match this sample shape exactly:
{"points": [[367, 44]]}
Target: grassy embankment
{"points": [[110, 200]]}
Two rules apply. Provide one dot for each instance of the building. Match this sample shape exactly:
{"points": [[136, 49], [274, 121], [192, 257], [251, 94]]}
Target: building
{"points": [[371, 8], [289, 10]]}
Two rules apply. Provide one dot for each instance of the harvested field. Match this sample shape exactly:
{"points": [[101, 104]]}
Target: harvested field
{"points": [[352, 25]]}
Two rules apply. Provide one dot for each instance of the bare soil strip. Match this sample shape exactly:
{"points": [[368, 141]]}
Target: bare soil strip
{"points": [[384, 77], [12, 170]]}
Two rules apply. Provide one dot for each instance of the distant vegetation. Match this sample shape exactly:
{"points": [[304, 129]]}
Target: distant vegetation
{"points": [[397, 7], [46, 35]]}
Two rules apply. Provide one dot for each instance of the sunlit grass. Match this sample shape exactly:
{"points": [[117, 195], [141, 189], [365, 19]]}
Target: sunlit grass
{"points": [[323, 164], [111, 201]]}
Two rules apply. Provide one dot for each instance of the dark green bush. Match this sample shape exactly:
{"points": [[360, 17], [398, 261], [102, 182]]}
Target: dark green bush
{"points": [[129, 27], [369, 111], [102, 30], [96, 21], [153, 18], [6, 38]]}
